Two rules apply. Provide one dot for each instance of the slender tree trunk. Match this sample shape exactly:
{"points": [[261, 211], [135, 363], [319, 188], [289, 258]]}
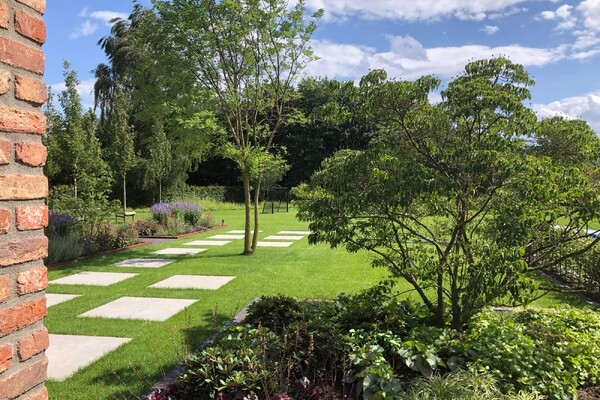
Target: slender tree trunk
{"points": [[256, 222], [160, 191], [75, 186], [248, 209], [124, 195]]}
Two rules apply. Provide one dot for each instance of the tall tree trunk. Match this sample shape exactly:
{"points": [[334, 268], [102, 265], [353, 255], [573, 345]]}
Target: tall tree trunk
{"points": [[75, 186], [248, 208], [124, 195], [256, 222], [159, 191]]}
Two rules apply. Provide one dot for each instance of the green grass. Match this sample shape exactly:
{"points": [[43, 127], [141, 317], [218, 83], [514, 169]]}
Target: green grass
{"points": [[300, 270]]}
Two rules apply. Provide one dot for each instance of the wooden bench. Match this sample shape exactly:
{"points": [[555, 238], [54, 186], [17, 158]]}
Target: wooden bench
{"points": [[124, 215]]}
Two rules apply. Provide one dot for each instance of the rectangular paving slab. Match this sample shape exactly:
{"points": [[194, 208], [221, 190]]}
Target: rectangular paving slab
{"points": [[238, 231], [294, 233], [274, 244], [208, 243], [144, 263], [94, 278], [69, 353], [53, 299], [284, 237], [179, 251], [227, 237], [207, 282], [144, 308]]}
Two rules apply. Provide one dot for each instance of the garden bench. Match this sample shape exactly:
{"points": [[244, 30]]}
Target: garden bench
{"points": [[124, 215]]}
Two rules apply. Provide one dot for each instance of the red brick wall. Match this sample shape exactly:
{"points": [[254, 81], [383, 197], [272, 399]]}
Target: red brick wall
{"points": [[23, 189]]}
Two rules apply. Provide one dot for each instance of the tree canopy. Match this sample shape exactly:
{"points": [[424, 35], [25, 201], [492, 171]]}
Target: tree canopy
{"points": [[450, 196]]}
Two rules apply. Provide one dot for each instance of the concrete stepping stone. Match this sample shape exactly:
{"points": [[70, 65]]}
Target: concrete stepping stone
{"points": [[207, 282], [144, 263], [284, 237], [208, 243], [274, 244], [69, 353], [144, 308], [238, 231], [53, 299], [94, 278], [179, 251], [227, 237], [294, 232]]}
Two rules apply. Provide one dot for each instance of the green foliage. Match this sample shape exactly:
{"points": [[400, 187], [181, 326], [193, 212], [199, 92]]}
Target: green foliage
{"points": [[448, 196], [550, 352], [275, 312]]}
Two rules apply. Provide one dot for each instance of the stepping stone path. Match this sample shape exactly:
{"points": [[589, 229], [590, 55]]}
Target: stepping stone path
{"points": [[53, 299], [144, 308], [68, 353], [227, 237], [238, 231], [94, 278], [179, 251], [208, 243], [274, 244], [284, 237], [144, 263], [206, 282]]}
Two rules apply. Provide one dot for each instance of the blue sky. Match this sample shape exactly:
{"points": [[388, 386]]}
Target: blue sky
{"points": [[557, 41]]}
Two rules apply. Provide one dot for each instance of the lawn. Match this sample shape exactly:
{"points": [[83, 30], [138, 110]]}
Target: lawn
{"points": [[300, 270]]}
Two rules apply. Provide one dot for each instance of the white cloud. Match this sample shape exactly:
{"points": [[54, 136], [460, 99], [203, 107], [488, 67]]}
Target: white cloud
{"points": [[590, 10], [421, 10], [562, 15], [107, 16], [490, 29], [86, 28], [85, 89], [586, 107], [408, 59]]}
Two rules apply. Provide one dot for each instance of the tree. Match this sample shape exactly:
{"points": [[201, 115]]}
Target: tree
{"points": [[247, 53], [449, 197], [122, 151], [159, 164], [74, 153]]}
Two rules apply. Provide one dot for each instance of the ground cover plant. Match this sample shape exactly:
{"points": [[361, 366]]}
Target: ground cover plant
{"points": [[175, 218], [378, 345]]}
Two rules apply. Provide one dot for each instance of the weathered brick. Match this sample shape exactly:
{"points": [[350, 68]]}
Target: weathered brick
{"points": [[21, 56], [30, 89], [23, 380], [20, 251], [32, 154], [6, 353], [32, 344], [5, 221], [37, 5], [4, 15], [5, 81], [5, 287], [22, 121], [32, 280], [30, 26], [32, 217], [41, 394], [4, 152], [23, 187], [20, 316]]}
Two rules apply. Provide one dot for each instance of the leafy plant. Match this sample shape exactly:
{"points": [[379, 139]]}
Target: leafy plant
{"points": [[275, 312]]}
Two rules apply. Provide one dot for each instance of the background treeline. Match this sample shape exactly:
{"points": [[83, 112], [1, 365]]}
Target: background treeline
{"points": [[154, 131]]}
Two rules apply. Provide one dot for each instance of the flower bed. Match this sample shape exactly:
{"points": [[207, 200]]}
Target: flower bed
{"points": [[174, 219]]}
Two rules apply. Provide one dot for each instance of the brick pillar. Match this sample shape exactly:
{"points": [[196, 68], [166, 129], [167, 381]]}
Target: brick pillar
{"points": [[23, 189]]}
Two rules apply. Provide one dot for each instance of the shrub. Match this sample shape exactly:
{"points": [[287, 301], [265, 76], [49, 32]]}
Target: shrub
{"points": [[550, 352], [63, 247], [275, 312]]}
